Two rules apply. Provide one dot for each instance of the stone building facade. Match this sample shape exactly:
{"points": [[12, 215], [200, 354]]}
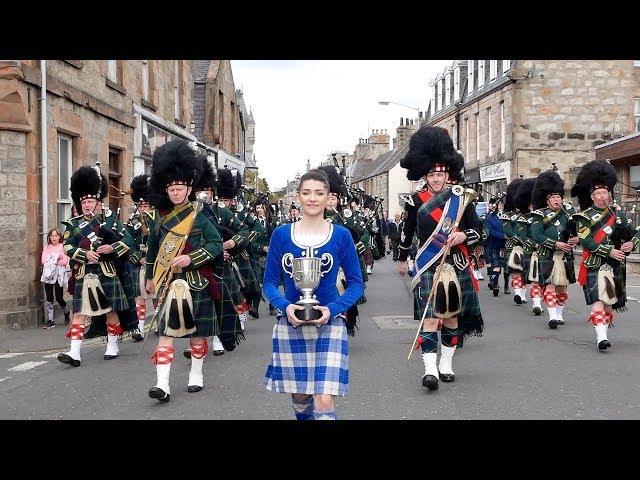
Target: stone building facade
{"points": [[216, 113], [382, 176], [518, 117], [115, 112]]}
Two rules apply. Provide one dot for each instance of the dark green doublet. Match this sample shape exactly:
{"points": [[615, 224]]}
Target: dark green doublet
{"points": [[548, 228]]}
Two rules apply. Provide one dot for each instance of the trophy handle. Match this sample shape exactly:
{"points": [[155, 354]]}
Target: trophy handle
{"points": [[326, 261], [287, 261]]}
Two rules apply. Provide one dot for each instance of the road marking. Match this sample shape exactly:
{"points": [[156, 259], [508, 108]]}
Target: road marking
{"points": [[634, 299], [10, 355], [5, 378], [26, 366]]}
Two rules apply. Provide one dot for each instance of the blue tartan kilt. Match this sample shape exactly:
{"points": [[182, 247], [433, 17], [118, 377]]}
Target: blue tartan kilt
{"points": [[308, 359], [470, 320], [495, 257], [204, 315], [619, 276], [112, 290]]}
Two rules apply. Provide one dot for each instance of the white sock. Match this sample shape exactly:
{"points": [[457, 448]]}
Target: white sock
{"points": [[141, 326], [243, 319], [216, 344], [112, 345], [74, 351], [537, 302], [552, 313], [559, 311], [163, 372], [601, 332], [195, 375]]}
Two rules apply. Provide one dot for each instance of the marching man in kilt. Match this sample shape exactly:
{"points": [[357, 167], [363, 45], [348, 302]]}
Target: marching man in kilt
{"points": [[530, 265], [495, 246], [445, 221], [93, 247], [554, 231], [606, 238], [310, 358], [181, 247], [508, 218], [138, 230]]}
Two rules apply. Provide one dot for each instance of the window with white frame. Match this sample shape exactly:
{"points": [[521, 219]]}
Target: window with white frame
{"points": [[466, 134], [503, 137], [636, 112], [145, 80], [112, 70], [480, 73], [470, 66], [506, 65], [65, 168], [176, 88], [456, 84], [478, 136], [493, 69], [489, 132], [636, 63], [439, 94], [447, 89]]}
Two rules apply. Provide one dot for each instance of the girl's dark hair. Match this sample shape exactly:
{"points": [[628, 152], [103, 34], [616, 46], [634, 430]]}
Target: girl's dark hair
{"points": [[54, 229], [314, 174]]}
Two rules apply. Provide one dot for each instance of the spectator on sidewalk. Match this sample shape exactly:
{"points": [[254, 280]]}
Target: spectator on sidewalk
{"points": [[395, 230], [54, 275], [384, 231]]}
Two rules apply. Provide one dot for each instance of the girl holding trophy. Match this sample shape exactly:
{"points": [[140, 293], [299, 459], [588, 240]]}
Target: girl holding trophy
{"points": [[310, 357]]}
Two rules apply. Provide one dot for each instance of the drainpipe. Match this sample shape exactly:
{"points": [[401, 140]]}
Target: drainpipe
{"points": [[44, 170]]}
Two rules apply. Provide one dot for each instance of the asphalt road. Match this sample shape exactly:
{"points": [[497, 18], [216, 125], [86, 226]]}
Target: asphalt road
{"points": [[520, 369]]}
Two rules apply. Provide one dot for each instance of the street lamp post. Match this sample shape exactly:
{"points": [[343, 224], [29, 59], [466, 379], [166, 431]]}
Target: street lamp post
{"points": [[387, 102]]}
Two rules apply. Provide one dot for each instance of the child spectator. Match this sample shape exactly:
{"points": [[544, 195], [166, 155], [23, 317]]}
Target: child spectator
{"points": [[54, 275]]}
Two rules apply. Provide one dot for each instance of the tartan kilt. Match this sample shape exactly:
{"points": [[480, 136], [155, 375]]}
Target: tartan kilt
{"points": [[228, 328], [129, 276], [591, 288], [255, 265], [526, 265], [251, 285], [204, 315], [495, 257], [363, 268], [470, 320], [546, 267], [112, 289], [308, 359]]}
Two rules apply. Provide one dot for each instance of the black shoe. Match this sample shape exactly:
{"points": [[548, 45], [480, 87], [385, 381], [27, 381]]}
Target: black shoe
{"points": [[254, 313], [110, 357], [447, 377], [507, 291], [553, 324], [64, 358], [430, 382], [194, 388], [187, 354], [517, 299], [604, 344], [67, 318], [159, 394], [49, 324], [490, 285], [560, 321], [136, 335], [216, 353], [537, 310], [496, 291]]}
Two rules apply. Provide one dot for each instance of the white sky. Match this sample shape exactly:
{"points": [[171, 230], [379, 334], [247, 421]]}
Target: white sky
{"points": [[309, 108]]}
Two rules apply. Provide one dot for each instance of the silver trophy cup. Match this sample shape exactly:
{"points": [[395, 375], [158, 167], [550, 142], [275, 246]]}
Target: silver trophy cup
{"points": [[306, 276]]}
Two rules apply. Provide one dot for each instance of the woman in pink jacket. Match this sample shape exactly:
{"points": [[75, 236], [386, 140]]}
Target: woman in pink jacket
{"points": [[54, 275]]}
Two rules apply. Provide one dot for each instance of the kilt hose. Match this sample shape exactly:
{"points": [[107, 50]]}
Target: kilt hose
{"points": [[470, 322]]}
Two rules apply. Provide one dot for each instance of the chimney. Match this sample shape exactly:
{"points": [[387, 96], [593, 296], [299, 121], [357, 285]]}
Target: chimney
{"points": [[420, 114], [401, 121]]}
